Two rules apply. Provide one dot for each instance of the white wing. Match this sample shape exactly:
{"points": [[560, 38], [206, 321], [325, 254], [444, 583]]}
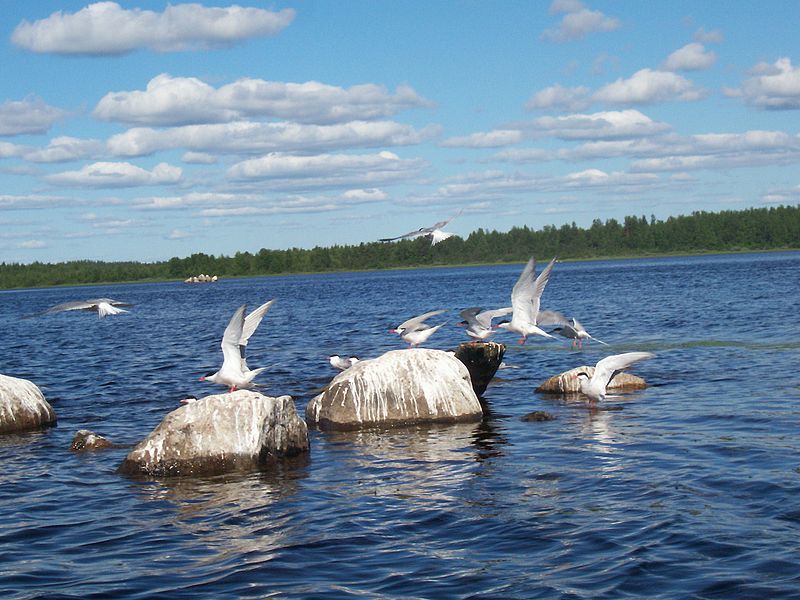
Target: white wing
{"points": [[252, 321], [522, 292], [551, 317], [416, 322], [605, 368], [484, 319], [231, 353], [538, 288]]}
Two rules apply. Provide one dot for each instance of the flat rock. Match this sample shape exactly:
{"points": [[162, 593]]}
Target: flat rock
{"points": [[243, 430], [482, 360], [538, 416], [567, 382], [401, 387], [89, 440], [22, 406]]}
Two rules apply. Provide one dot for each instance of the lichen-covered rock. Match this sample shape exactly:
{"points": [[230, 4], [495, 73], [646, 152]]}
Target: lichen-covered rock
{"points": [[567, 382], [243, 430], [89, 440], [482, 360], [401, 387], [22, 406]]}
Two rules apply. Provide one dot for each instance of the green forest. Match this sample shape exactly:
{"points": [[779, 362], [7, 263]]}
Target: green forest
{"points": [[727, 231]]}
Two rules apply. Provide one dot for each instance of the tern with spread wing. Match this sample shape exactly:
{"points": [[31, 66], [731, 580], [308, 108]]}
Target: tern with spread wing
{"points": [[576, 332], [434, 233], [479, 321], [525, 300], [234, 372], [102, 306], [338, 362], [595, 386], [415, 331]]}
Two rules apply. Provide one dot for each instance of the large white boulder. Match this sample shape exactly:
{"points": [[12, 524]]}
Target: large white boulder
{"points": [[401, 387], [243, 430], [22, 406]]}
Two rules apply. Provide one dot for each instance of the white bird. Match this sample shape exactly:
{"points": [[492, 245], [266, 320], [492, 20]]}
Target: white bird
{"points": [[595, 386], [479, 322], [102, 306], [434, 233], [337, 362], [525, 300], [415, 331], [576, 332], [234, 371]]}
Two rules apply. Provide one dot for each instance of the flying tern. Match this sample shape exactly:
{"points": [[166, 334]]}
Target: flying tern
{"points": [[479, 321], [525, 300], [102, 306], [434, 233], [595, 386], [415, 331], [234, 371], [576, 332]]}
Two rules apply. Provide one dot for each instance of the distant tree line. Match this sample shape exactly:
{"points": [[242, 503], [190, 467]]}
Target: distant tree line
{"points": [[752, 229]]}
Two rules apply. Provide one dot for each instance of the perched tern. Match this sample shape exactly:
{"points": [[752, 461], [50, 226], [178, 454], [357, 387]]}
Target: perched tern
{"points": [[415, 331], [595, 386], [102, 306], [434, 233], [337, 362], [525, 299], [576, 332], [479, 321], [234, 371]]}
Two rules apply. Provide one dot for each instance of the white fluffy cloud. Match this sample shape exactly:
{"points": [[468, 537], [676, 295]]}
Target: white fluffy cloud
{"points": [[183, 100], [491, 139], [561, 98], [31, 115], [599, 125], [691, 57], [772, 87], [106, 28], [65, 148], [578, 21], [647, 86], [32, 244], [244, 137], [116, 175]]}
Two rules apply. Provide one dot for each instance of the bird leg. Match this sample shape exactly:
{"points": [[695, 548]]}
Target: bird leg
{"points": [[522, 340]]}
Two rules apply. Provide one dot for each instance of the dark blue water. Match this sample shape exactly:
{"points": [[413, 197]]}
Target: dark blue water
{"points": [[690, 488]]}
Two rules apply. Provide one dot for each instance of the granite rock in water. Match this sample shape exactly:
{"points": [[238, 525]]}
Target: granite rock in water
{"points": [[22, 406], [538, 416], [401, 387], [89, 440], [482, 360], [242, 430], [567, 382]]}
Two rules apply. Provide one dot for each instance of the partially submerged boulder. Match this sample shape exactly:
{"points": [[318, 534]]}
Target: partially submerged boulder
{"points": [[401, 387], [242, 430], [482, 360], [22, 406], [567, 382], [89, 440]]}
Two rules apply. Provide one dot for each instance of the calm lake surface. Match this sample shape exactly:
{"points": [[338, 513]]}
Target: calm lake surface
{"points": [[690, 488]]}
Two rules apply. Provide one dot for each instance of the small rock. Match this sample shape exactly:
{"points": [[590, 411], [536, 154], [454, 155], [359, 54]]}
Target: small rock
{"points": [[22, 406], [401, 387], [482, 360], [88, 440], [538, 415], [567, 382], [242, 430]]}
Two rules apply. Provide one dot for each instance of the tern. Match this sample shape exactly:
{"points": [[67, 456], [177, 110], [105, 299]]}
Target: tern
{"points": [[595, 386], [337, 362], [415, 331], [102, 306], [234, 371], [576, 332], [525, 299], [434, 233], [479, 321]]}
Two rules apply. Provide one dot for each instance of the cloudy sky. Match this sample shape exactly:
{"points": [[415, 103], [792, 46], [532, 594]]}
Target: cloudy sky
{"points": [[146, 130]]}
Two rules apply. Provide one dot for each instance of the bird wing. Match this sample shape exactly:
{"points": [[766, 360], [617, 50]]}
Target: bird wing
{"points": [[437, 235], [551, 317], [410, 234], [538, 288], [605, 369], [484, 319], [231, 352], [252, 321], [416, 322], [72, 305], [470, 314], [522, 292]]}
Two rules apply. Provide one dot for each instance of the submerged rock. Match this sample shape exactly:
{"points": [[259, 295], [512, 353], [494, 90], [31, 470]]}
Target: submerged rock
{"points": [[22, 406], [567, 382], [482, 360], [401, 387], [538, 415], [242, 430], [89, 440]]}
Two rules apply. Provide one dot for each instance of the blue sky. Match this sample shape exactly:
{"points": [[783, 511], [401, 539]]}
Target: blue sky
{"points": [[146, 130]]}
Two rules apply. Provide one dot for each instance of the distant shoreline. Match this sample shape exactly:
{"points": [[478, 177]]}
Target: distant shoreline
{"points": [[408, 268]]}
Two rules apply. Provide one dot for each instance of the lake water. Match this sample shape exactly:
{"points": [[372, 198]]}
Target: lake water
{"points": [[690, 488]]}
